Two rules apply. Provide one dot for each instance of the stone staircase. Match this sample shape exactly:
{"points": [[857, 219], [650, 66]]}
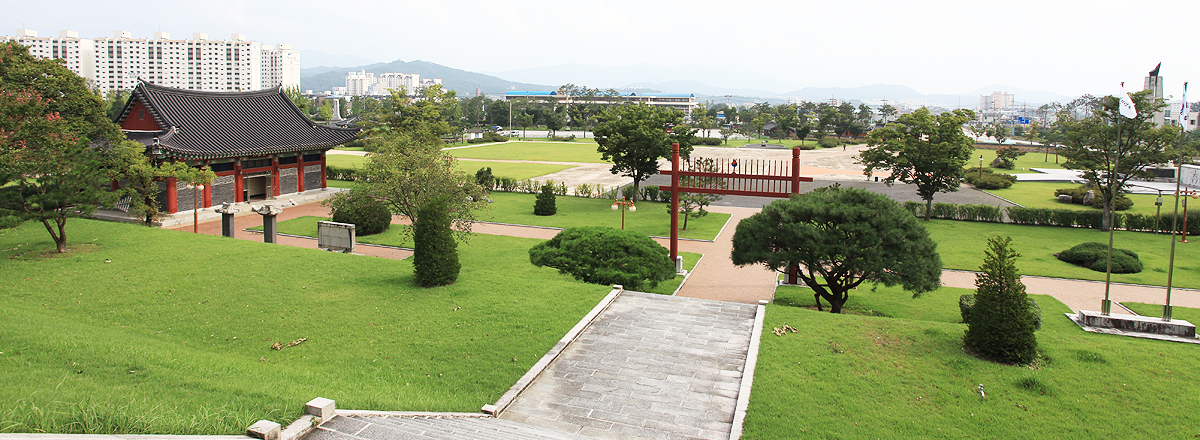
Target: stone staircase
{"points": [[442, 427]]}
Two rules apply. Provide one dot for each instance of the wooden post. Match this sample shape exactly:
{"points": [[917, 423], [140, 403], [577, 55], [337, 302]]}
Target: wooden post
{"points": [[172, 196], [795, 170], [674, 201]]}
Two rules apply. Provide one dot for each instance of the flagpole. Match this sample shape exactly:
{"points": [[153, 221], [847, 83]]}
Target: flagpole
{"points": [[1167, 309]]}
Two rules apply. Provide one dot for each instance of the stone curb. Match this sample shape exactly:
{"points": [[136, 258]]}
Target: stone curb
{"points": [[369, 413], [743, 399], [537, 369]]}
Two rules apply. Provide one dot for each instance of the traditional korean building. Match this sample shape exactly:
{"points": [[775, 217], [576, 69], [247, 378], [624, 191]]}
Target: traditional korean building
{"points": [[258, 143]]}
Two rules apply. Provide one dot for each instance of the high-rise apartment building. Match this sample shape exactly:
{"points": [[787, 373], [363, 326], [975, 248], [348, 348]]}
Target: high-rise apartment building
{"points": [[997, 101], [192, 64]]}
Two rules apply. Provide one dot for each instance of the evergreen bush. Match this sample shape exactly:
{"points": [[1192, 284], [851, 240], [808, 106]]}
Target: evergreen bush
{"points": [[650, 193], [1094, 256], [544, 203], [485, 178], [606, 256], [1120, 203], [1000, 325], [967, 302], [368, 214], [435, 253]]}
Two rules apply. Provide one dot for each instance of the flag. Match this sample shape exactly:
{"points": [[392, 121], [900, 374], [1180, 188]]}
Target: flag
{"points": [[1126, 104], [1183, 109]]}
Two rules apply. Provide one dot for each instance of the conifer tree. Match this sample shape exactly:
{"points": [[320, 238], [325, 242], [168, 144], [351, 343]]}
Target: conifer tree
{"points": [[435, 256], [544, 205], [1000, 326]]}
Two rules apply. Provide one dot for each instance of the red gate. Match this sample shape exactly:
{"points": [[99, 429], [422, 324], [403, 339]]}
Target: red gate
{"points": [[762, 178]]}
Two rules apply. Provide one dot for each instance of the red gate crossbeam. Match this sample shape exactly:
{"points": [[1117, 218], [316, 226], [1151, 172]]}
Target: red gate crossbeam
{"points": [[733, 176]]}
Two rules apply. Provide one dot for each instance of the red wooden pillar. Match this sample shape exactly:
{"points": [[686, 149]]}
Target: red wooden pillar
{"points": [[237, 182], [275, 176], [795, 170], [172, 197], [674, 202], [207, 201], [323, 184], [300, 173]]}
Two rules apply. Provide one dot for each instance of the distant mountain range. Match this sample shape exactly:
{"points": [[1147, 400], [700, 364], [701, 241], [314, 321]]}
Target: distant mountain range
{"points": [[696, 80]]}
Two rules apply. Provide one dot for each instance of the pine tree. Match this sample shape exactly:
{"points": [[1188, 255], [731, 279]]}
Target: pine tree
{"points": [[544, 205], [435, 256], [1000, 326]]}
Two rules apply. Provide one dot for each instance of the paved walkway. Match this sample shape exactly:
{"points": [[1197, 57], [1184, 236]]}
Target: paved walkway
{"points": [[433, 426], [648, 366]]}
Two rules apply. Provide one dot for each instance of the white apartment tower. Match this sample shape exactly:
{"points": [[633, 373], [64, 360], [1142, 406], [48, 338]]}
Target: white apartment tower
{"points": [[362, 83], [997, 101], [195, 64]]}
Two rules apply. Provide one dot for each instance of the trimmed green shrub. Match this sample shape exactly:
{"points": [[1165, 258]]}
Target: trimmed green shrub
{"points": [[947, 211], [628, 191], [368, 214], [967, 302], [569, 138], [606, 256], [10, 221], [1094, 256], [829, 142], [994, 181], [506, 184], [485, 178], [435, 253], [1000, 324], [650, 193], [544, 203], [711, 141], [340, 173], [917, 208]]}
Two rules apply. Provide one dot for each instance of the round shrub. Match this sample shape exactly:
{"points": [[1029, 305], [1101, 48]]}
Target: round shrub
{"points": [[544, 203], [606, 256], [992, 181], [829, 142], [1094, 256], [369, 215]]}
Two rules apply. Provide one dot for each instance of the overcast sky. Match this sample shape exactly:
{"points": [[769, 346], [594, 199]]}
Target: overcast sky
{"points": [[1066, 47]]}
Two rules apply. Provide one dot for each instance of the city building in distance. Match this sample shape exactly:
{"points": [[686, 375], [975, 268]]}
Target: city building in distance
{"points": [[198, 63], [362, 83], [684, 102]]}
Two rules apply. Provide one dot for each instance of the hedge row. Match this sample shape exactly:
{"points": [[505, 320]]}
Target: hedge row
{"points": [[1053, 217]]}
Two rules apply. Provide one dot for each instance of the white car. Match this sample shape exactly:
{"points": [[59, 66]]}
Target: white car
{"points": [[514, 133]]}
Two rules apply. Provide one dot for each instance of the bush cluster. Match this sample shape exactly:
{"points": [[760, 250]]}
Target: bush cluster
{"points": [[568, 138], [484, 178], [341, 173], [488, 137], [1120, 203], [710, 141], [1094, 256], [606, 256], [829, 142], [984, 178], [950, 211], [368, 214]]}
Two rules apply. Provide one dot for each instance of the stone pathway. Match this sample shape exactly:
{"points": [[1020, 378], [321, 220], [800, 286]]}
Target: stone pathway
{"points": [[432, 426], [649, 366]]}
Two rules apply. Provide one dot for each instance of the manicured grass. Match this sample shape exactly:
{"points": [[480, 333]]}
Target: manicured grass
{"points": [[1185, 313], [349, 148], [960, 245], [519, 171], [141, 330], [584, 152], [651, 218], [307, 227], [846, 376], [1041, 195], [1026, 161]]}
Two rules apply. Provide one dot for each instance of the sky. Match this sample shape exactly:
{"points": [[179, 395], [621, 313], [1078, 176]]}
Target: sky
{"points": [[1066, 47]]}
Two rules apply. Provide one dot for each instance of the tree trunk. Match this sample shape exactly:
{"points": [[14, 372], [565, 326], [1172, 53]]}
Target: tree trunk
{"points": [[928, 208], [1105, 215], [59, 237]]}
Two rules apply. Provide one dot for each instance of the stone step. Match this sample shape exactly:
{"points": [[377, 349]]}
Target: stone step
{"points": [[431, 427]]}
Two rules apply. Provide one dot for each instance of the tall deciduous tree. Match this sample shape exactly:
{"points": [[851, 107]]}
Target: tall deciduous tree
{"points": [[1110, 149], [54, 141], [635, 137], [407, 172], [841, 237], [922, 149], [1000, 325]]}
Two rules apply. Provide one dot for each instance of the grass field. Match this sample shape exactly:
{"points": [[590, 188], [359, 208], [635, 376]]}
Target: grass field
{"points": [[1184, 313], [906, 376], [141, 330], [583, 152], [395, 236], [1041, 195], [519, 171], [651, 218], [1026, 161], [960, 245]]}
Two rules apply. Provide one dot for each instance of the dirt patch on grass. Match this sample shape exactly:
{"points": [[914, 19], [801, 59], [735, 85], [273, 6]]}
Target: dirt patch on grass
{"points": [[51, 252]]}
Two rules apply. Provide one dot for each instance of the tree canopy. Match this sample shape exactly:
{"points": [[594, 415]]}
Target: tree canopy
{"points": [[923, 149], [603, 255], [1110, 149], [408, 170], [840, 238], [634, 137]]}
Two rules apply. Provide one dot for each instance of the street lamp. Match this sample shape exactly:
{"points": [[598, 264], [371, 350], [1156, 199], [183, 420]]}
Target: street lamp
{"points": [[981, 166], [623, 205]]}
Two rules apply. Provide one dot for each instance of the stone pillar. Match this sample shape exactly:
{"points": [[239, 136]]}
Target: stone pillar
{"points": [[227, 210], [268, 212]]}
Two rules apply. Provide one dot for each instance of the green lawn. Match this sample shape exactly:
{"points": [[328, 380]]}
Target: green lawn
{"points": [[519, 171], [961, 244], [1041, 195], [651, 218], [906, 376], [584, 152], [1026, 161], [141, 330], [1187, 314], [307, 227]]}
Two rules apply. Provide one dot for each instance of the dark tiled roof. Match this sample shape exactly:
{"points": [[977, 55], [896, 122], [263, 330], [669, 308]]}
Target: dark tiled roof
{"points": [[216, 125]]}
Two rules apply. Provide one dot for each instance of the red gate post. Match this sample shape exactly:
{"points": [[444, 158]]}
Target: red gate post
{"points": [[794, 270], [674, 202]]}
